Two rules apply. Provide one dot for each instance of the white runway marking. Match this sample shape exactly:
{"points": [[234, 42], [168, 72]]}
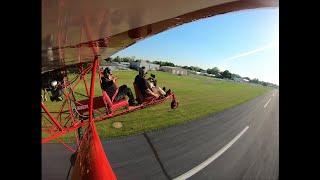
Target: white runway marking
{"points": [[267, 102], [211, 159]]}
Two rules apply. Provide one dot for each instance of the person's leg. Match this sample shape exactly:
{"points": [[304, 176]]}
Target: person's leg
{"points": [[56, 95], [45, 95], [129, 94], [59, 95], [154, 90], [158, 91], [162, 92], [123, 91]]}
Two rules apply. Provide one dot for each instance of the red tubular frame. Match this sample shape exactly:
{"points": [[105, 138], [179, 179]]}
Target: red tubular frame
{"points": [[85, 85], [75, 127], [80, 57], [94, 68], [108, 116], [58, 129], [66, 145], [51, 117], [90, 151], [91, 154], [91, 157], [92, 162], [92, 88]]}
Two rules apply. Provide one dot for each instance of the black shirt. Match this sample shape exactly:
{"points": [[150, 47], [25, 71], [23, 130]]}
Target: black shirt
{"points": [[142, 84], [108, 86]]}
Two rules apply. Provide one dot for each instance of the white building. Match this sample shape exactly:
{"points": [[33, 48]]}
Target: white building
{"points": [[173, 70], [236, 79], [124, 65], [148, 66], [112, 66]]}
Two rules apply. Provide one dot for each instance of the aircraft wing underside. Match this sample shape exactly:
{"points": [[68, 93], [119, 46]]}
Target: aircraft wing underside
{"points": [[72, 29]]}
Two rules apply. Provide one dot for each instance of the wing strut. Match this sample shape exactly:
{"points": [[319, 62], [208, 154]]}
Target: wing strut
{"points": [[92, 162]]}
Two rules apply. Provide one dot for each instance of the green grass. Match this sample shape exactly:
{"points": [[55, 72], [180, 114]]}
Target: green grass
{"points": [[198, 97]]}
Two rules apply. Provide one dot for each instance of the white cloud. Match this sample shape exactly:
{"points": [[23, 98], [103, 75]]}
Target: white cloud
{"points": [[224, 65], [271, 45]]}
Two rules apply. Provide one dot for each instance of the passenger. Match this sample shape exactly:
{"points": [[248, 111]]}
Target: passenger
{"points": [[153, 86], [108, 84], [144, 85]]}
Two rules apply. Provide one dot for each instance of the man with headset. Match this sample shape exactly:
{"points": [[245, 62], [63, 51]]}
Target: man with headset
{"points": [[108, 84]]}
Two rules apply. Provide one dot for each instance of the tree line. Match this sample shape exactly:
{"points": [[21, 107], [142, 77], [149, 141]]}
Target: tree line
{"points": [[214, 71]]}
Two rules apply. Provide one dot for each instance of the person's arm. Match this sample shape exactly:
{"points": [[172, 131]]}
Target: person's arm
{"points": [[149, 92], [113, 79], [151, 85]]}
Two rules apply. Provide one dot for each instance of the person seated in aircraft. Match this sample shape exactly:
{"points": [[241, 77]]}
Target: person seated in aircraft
{"points": [[153, 86], [52, 81], [56, 91], [108, 82], [148, 88]]}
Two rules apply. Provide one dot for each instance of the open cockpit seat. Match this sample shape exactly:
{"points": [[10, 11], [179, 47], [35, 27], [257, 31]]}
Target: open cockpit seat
{"points": [[114, 105], [141, 98]]}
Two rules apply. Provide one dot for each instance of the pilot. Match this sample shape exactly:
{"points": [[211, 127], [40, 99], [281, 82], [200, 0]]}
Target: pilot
{"points": [[56, 91], [108, 84]]}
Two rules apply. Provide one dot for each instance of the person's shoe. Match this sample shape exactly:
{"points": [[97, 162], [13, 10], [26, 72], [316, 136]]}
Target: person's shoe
{"points": [[59, 98], [51, 98], [164, 89], [133, 103], [168, 92]]}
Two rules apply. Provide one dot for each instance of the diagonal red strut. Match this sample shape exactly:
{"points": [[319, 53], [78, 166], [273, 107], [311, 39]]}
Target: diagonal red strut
{"points": [[92, 162]]}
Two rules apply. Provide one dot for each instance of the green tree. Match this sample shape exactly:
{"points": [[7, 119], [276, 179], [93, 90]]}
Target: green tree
{"points": [[117, 59], [185, 67], [247, 78], [157, 62], [226, 74], [215, 71], [126, 59], [255, 80], [235, 75], [167, 64], [109, 59]]}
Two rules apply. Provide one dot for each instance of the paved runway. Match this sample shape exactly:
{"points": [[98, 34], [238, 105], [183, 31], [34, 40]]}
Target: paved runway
{"points": [[239, 143]]}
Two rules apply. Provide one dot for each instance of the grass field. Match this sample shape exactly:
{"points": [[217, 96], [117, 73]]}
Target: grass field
{"points": [[198, 97]]}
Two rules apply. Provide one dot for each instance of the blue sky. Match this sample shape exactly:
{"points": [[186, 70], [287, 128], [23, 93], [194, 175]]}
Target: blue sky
{"points": [[243, 42]]}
